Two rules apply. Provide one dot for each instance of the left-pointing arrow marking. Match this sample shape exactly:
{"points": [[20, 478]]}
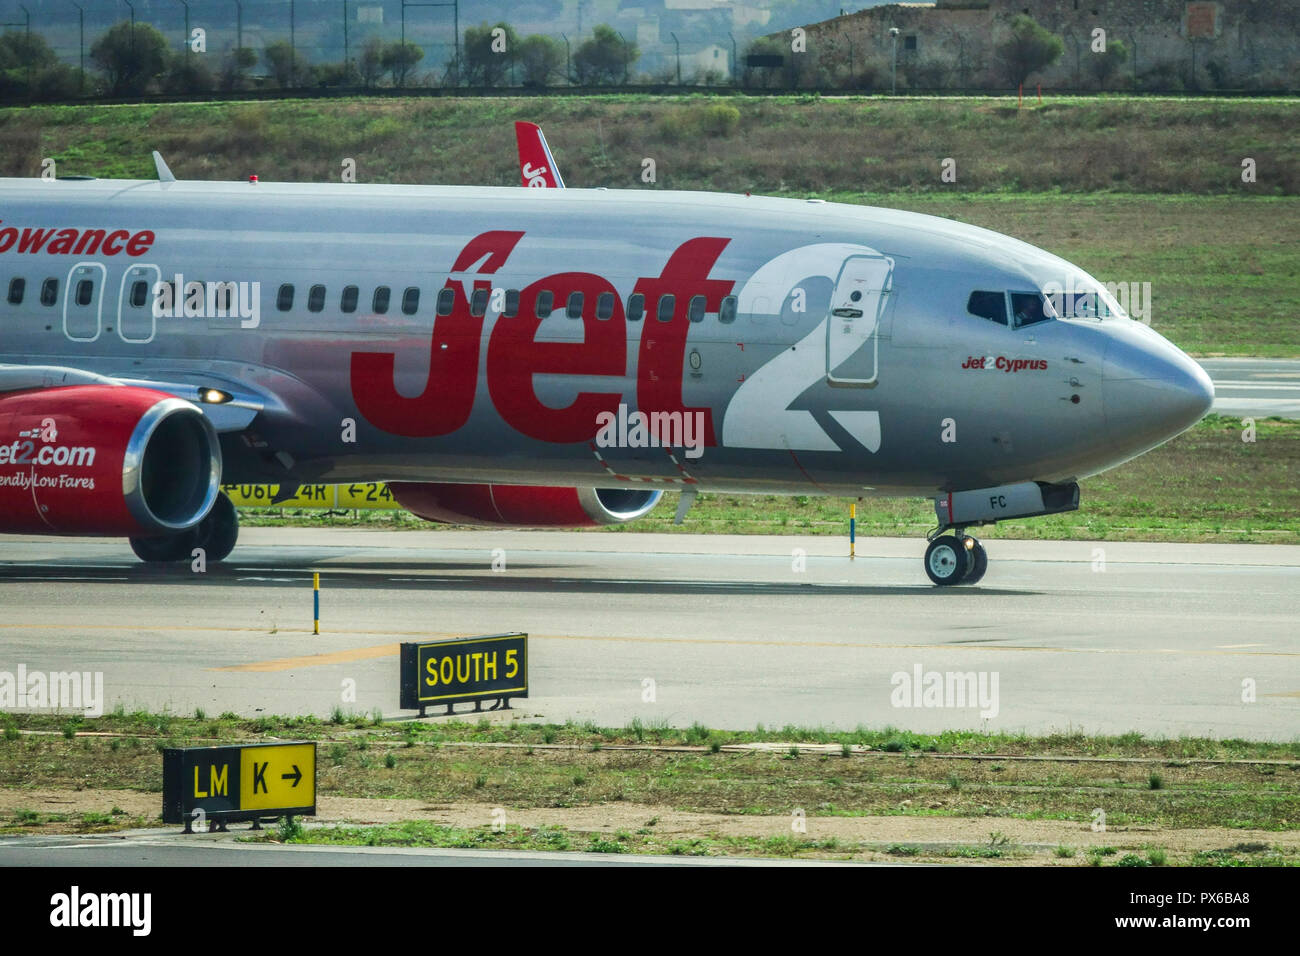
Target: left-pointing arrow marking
{"points": [[295, 776]]}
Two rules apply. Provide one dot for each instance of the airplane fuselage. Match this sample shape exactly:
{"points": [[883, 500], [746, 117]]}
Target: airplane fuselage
{"points": [[776, 378]]}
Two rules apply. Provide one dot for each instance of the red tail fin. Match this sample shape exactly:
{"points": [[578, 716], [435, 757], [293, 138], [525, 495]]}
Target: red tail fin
{"points": [[536, 164]]}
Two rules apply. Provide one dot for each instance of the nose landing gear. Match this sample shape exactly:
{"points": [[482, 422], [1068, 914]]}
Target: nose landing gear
{"points": [[955, 559]]}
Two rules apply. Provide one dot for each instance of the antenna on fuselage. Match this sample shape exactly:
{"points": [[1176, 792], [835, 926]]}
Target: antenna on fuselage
{"points": [[164, 174]]}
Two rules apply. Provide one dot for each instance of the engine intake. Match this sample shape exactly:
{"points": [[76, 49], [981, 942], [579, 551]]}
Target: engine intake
{"points": [[105, 460]]}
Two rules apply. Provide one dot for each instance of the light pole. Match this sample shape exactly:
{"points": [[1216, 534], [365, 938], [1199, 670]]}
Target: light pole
{"points": [[293, 49], [132, 8], [624, 42], [849, 40], [239, 30], [1070, 36], [568, 61], [679, 57], [27, 33], [81, 43], [734, 63], [27, 27], [186, 4], [347, 53], [455, 5], [893, 77]]}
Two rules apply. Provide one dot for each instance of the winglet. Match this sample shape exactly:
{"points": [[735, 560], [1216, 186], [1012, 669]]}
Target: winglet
{"points": [[536, 164], [164, 174]]}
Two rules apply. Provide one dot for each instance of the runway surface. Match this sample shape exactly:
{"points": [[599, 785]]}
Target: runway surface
{"points": [[725, 630], [1258, 387], [152, 848]]}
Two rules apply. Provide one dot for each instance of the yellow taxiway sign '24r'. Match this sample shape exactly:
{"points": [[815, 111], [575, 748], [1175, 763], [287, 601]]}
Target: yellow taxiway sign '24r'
{"points": [[372, 495]]}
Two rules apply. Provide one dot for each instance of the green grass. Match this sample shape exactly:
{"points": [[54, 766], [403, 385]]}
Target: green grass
{"points": [[1206, 485], [898, 772], [775, 144], [788, 846], [993, 778], [645, 841], [345, 742]]}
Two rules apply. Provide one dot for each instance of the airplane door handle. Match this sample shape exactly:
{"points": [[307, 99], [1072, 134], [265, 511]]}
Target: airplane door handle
{"points": [[847, 313]]}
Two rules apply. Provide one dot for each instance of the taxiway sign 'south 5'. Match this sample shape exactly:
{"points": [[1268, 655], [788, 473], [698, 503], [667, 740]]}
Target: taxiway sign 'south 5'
{"points": [[466, 344]]}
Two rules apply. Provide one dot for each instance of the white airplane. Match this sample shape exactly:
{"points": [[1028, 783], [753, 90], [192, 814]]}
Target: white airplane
{"points": [[546, 357]]}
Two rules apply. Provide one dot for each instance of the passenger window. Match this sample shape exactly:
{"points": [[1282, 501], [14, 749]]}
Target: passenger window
{"points": [[316, 298], [635, 307], [605, 305], [573, 309], [139, 293], [512, 303], [379, 303], [49, 291], [727, 314], [16, 289], [667, 303], [446, 300], [410, 301], [696, 308], [84, 290], [478, 302], [988, 305], [545, 303], [348, 301], [284, 298], [1029, 308], [223, 294]]}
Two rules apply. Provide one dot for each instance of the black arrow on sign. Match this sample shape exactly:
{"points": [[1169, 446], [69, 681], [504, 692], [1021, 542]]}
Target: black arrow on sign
{"points": [[295, 776]]}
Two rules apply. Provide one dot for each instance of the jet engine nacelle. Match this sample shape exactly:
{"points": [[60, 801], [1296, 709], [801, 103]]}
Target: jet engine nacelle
{"points": [[523, 506], [105, 460], [1023, 500]]}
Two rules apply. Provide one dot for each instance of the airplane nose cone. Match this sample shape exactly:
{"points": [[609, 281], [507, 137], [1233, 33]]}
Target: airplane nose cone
{"points": [[1151, 390]]}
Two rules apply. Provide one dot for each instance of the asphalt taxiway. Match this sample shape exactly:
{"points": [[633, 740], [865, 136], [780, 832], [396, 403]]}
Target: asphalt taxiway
{"points": [[147, 848], [731, 631], [1255, 387]]}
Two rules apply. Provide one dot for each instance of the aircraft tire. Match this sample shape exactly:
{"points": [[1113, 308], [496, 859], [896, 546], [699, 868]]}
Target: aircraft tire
{"points": [[979, 564], [946, 561], [218, 532], [173, 547]]}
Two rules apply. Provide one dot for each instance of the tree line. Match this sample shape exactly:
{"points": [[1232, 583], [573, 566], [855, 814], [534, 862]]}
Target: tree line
{"points": [[135, 59]]}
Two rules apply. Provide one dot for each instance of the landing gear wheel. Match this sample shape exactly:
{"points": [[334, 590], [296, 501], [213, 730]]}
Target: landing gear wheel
{"points": [[218, 532], [173, 547], [946, 561], [979, 564]]}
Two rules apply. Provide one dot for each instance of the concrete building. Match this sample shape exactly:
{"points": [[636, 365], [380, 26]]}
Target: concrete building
{"points": [[1171, 44]]}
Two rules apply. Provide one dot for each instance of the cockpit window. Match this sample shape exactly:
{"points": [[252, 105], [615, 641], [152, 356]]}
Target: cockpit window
{"points": [[1084, 298], [988, 305], [1081, 305], [1030, 308]]}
